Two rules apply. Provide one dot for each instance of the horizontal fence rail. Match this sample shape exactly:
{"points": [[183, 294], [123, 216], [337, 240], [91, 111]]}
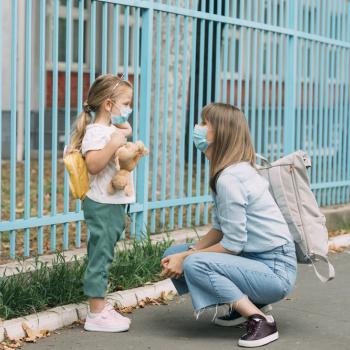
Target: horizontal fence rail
{"points": [[285, 63]]}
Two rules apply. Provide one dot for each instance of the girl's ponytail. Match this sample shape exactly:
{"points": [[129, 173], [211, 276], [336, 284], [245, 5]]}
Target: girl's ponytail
{"points": [[79, 128]]}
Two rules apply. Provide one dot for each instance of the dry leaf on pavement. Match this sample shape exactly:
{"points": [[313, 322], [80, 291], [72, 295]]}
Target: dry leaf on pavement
{"points": [[34, 334]]}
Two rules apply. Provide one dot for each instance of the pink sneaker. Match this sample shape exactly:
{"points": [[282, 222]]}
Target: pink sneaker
{"points": [[116, 314], [108, 320]]}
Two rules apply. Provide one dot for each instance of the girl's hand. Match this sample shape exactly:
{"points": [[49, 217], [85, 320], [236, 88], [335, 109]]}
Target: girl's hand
{"points": [[118, 139], [173, 266]]}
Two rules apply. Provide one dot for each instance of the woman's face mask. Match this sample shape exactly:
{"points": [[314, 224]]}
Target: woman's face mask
{"points": [[200, 137], [123, 117]]}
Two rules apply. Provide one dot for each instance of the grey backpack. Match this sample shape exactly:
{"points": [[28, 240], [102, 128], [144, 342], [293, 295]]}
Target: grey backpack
{"points": [[290, 187]]}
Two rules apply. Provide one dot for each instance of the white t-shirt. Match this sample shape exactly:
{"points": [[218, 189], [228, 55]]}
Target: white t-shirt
{"points": [[96, 137]]}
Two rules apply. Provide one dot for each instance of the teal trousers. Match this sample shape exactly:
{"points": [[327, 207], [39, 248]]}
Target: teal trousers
{"points": [[106, 223]]}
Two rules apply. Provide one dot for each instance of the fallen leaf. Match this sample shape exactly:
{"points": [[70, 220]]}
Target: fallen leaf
{"points": [[125, 310], [10, 344], [34, 334]]}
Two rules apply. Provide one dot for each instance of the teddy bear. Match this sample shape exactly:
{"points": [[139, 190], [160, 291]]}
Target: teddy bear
{"points": [[126, 159]]}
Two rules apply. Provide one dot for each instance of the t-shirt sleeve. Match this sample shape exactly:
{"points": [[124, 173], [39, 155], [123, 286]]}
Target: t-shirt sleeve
{"points": [[231, 209], [214, 218], [93, 140]]}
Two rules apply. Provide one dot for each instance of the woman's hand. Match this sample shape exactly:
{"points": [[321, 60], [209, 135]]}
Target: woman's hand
{"points": [[173, 265]]}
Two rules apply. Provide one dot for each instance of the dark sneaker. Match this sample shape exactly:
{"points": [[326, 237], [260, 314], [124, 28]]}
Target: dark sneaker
{"points": [[234, 318], [260, 331]]}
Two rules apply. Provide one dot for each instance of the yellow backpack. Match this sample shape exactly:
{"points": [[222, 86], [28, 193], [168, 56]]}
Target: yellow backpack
{"points": [[78, 174]]}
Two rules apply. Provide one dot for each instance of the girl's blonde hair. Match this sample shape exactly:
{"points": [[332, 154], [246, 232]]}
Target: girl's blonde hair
{"points": [[232, 142], [104, 87]]}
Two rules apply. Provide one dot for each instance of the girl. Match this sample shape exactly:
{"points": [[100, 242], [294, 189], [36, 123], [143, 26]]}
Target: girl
{"points": [[108, 102], [247, 260]]}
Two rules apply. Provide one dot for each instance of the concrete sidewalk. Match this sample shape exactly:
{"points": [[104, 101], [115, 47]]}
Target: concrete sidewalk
{"points": [[315, 317]]}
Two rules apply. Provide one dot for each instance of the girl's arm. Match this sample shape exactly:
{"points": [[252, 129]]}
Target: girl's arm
{"points": [[97, 160], [125, 128]]}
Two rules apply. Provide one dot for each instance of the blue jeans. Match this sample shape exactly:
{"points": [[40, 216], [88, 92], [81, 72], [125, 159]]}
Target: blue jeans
{"points": [[218, 278]]}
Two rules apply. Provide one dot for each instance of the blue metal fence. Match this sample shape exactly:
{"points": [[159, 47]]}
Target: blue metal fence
{"points": [[285, 63]]}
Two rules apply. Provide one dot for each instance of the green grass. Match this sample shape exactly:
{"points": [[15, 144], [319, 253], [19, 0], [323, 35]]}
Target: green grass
{"points": [[60, 284]]}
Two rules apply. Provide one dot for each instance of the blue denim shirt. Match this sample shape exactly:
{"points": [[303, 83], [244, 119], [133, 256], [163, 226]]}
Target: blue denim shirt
{"points": [[246, 213]]}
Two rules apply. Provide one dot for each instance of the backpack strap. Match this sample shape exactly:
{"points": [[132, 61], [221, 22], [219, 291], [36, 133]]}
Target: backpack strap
{"points": [[331, 271]]}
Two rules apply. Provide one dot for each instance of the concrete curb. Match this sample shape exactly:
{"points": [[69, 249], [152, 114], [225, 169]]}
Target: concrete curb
{"points": [[337, 217], [339, 241], [66, 315]]}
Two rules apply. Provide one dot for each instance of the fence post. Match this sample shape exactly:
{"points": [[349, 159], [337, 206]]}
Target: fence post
{"points": [[144, 122], [290, 80]]}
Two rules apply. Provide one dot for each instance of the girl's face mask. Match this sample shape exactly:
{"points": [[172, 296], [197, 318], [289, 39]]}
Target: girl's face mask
{"points": [[123, 117], [200, 137]]}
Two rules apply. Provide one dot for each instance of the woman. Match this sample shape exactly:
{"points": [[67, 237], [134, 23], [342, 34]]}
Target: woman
{"points": [[247, 260]]}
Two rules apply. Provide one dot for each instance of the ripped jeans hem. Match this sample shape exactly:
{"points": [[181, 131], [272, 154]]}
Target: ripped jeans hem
{"points": [[198, 312]]}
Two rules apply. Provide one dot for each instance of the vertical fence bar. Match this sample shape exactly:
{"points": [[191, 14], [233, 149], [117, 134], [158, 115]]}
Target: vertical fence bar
{"points": [[191, 121], [41, 153], [183, 118], [27, 116], [92, 41], [53, 232], [326, 147], [136, 114], [233, 55], [267, 84], [281, 76], [174, 120], [315, 47], [200, 105], [247, 62], [291, 69], [145, 110], [253, 114], [156, 118], [348, 110], [67, 114], [257, 138], [274, 84], [341, 125], [240, 62], [14, 14], [225, 56], [165, 120], [346, 127], [330, 128], [81, 48], [321, 149], [126, 40], [336, 121], [115, 65], [104, 37], [1, 127], [208, 100]]}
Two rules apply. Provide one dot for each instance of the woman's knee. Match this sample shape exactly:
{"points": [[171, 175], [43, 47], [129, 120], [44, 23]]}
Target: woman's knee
{"points": [[194, 264]]}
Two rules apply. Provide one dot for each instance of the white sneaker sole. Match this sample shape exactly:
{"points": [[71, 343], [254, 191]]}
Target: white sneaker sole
{"points": [[259, 342], [239, 320], [94, 328]]}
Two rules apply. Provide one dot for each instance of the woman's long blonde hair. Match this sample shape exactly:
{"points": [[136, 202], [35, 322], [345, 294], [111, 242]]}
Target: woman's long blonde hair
{"points": [[104, 87], [232, 142]]}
